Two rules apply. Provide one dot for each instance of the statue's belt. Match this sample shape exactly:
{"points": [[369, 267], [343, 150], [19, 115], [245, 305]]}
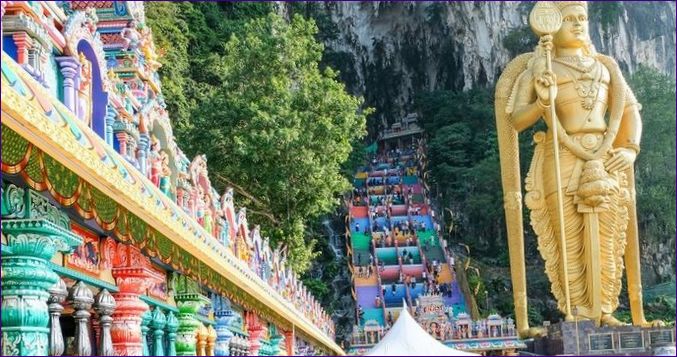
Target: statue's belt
{"points": [[589, 142]]}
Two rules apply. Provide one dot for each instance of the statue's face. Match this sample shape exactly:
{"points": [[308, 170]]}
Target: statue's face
{"points": [[574, 30]]}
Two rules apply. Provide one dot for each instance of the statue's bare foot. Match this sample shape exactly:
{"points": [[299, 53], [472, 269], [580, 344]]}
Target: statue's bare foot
{"points": [[533, 332], [653, 323], [610, 320]]}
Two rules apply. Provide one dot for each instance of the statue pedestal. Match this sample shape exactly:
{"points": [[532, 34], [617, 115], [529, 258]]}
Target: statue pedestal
{"points": [[584, 338]]}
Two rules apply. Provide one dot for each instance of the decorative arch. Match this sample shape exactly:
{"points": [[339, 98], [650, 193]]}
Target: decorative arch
{"points": [[99, 97], [82, 39]]}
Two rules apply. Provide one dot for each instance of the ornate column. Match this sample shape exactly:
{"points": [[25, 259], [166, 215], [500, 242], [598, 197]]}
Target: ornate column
{"points": [[33, 235], [211, 340], [122, 140], [111, 114], [255, 331], [188, 304], [142, 154], [23, 43], [81, 298], [69, 67], [57, 295], [157, 324], [145, 326], [104, 306], [202, 334], [223, 315], [275, 344], [131, 277], [131, 151], [289, 342], [172, 326]]}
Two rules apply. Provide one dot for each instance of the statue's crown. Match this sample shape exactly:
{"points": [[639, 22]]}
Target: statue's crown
{"points": [[562, 4]]}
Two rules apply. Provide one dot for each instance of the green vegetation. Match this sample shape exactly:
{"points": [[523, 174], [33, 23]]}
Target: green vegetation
{"points": [[254, 99], [520, 40], [463, 160], [655, 169], [187, 34]]}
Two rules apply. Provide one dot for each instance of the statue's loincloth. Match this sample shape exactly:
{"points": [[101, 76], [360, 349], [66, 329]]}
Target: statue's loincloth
{"points": [[589, 190]]}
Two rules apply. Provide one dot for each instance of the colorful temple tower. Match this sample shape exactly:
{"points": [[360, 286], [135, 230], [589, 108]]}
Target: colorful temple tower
{"points": [[398, 254], [113, 241]]}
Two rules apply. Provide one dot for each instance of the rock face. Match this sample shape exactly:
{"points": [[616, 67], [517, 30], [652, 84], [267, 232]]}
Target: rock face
{"points": [[389, 51]]}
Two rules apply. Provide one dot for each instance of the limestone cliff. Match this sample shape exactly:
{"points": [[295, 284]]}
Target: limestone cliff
{"points": [[389, 51]]}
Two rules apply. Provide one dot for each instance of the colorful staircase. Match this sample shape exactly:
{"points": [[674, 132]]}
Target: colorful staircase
{"points": [[392, 229]]}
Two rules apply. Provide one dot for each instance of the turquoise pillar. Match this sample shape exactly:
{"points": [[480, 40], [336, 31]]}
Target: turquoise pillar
{"points": [[145, 326], [172, 326], [35, 231], [157, 325]]}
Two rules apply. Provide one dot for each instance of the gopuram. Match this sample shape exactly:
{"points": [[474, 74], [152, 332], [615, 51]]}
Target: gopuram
{"points": [[113, 241], [397, 254], [580, 188]]}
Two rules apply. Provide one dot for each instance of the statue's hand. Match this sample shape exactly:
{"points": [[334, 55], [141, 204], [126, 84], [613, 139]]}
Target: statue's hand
{"points": [[543, 84], [621, 159]]}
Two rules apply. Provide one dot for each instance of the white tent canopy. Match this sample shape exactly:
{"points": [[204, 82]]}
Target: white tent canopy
{"points": [[407, 338]]}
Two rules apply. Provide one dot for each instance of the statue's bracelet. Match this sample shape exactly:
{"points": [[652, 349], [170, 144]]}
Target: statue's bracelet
{"points": [[541, 105], [632, 146]]}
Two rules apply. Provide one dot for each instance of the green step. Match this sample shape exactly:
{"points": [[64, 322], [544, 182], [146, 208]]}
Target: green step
{"points": [[360, 241]]}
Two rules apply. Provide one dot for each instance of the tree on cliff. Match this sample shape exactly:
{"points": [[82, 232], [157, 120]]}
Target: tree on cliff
{"points": [[274, 125]]}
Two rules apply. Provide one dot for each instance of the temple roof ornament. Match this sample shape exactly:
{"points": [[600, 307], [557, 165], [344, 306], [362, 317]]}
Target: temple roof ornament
{"points": [[81, 25]]}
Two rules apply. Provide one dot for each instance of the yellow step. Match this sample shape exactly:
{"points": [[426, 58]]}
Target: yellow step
{"points": [[445, 274], [372, 280]]}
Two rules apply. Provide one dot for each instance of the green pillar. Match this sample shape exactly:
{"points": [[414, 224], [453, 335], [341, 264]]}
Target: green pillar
{"points": [[35, 231], [172, 326], [189, 300], [189, 304]]}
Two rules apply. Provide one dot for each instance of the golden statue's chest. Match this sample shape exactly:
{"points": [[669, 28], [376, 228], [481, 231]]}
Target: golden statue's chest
{"points": [[579, 81], [582, 95]]}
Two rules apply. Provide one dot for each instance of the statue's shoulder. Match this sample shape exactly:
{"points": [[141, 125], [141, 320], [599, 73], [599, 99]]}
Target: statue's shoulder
{"points": [[512, 71], [507, 85], [608, 62]]}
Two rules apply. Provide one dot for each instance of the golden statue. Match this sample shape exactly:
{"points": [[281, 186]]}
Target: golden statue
{"points": [[581, 179]]}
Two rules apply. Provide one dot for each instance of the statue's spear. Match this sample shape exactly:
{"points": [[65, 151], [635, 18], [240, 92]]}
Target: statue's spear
{"points": [[545, 20]]}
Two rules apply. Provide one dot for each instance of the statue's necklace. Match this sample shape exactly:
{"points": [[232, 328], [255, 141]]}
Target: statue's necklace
{"points": [[576, 62], [588, 92]]}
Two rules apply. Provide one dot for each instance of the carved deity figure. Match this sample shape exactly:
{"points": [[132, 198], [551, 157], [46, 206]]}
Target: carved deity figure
{"points": [[224, 232], [165, 174], [155, 159], [200, 205], [130, 36], [148, 49], [85, 90], [208, 220], [596, 157]]}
